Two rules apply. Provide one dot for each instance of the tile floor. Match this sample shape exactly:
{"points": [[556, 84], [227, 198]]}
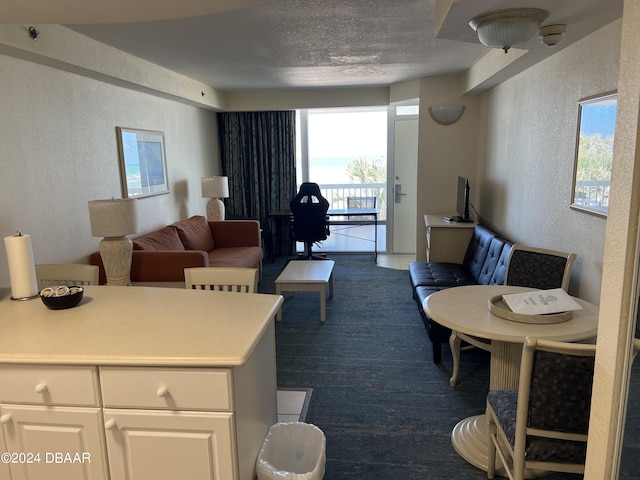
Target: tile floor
{"points": [[292, 405], [398, 262]]}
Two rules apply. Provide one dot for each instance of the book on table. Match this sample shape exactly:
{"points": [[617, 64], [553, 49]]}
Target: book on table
{"points": [[539, 302]]}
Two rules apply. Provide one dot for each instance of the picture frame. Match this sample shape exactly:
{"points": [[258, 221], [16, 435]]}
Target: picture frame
{"points": [[143, 164], [594, 153]]}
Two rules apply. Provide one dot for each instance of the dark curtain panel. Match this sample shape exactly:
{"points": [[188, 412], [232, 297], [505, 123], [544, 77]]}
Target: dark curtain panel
{"points": [[258, 153]]}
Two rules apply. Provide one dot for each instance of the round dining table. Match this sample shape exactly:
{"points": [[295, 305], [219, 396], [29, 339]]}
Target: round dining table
{"points": [[466, 310]]}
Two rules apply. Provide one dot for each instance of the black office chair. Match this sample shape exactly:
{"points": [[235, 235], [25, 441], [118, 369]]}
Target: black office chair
{"points": [[310, 222]]}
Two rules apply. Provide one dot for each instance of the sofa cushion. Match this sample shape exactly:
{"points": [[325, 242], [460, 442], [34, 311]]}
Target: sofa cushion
{"points": [[491, 261], [439, 274], [195, 233], [478, 250], [164, 239], [247, 257]]}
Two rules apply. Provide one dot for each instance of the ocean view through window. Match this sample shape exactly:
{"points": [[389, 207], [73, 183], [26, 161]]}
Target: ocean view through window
{"points": [[344, 151]]}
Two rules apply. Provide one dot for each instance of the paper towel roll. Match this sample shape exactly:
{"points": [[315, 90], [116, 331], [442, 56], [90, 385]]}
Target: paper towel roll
{"points": [[22, 271]]}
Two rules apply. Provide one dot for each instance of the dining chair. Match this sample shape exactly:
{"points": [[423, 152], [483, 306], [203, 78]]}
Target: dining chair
{"points": [[223, 279], [543, 424], [526, 267], [539, 268], [52, 274]]}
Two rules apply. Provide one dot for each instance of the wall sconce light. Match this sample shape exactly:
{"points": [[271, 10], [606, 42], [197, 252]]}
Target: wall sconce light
{"points": [[507, 28], [446, 114], [114, 219], [215, 188]]}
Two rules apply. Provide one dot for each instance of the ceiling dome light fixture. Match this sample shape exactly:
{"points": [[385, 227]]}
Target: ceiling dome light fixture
{"points": [[507, 28]]}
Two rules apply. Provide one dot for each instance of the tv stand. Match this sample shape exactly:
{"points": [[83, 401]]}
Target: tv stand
{"points": [[447, 241], [458, 219]]}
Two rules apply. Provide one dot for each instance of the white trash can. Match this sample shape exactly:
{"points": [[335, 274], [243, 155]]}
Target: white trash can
{"points": [[292, 451]]}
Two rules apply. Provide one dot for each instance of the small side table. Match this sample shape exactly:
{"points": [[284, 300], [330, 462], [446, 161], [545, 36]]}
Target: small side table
{"points": [[307, 276]]}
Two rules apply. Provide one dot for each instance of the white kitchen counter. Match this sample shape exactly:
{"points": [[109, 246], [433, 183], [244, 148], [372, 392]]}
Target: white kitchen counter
{"points": [[137, 326], [147, 382]]}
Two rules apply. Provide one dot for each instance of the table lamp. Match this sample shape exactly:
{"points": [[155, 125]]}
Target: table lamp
{"points": [[114, 219], [215, 188]]}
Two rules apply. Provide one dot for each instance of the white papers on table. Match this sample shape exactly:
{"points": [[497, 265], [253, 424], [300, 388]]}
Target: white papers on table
{"points": [[540, 302]]}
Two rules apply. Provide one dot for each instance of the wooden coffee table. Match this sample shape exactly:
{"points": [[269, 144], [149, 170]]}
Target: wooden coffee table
{"points": [[307, 276]]}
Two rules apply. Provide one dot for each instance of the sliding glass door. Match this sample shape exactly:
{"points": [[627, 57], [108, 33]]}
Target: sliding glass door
{"points": [[345, 152]]}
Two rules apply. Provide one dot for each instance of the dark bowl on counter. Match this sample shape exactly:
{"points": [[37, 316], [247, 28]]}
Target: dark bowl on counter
{"points": [[61, 297]]}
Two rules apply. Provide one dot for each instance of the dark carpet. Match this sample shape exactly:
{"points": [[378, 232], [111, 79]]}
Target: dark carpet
{"points": [[386, 409]]}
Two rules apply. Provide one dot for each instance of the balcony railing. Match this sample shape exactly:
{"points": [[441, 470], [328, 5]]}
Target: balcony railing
{"points": [[337, 195], [592, 193]]}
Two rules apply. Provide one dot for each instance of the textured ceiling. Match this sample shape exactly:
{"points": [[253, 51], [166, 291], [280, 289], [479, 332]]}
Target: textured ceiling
{"points": [[329, 43]]}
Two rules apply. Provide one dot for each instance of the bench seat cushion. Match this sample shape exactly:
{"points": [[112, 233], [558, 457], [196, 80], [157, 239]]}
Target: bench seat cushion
{"points": [[441, 275]]}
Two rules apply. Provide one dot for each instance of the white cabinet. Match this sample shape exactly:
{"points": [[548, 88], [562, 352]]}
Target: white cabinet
{"points": [[168, 423], [447, 241], [168, 445], [51, 424], [151, 383]]}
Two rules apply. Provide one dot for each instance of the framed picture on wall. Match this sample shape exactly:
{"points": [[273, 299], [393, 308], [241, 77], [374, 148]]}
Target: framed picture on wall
{"points": [[594, 153], [143, 165]]}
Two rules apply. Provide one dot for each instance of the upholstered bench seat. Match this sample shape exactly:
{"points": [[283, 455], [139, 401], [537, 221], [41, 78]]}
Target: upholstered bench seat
{"points": [[485, 263]]}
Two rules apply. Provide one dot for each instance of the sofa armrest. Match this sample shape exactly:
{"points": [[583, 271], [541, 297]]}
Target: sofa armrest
{"points": [[158, 265], [236, 233]]}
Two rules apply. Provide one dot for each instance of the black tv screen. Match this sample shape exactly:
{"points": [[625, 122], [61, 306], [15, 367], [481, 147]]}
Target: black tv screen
{"points": [[463, 200]]}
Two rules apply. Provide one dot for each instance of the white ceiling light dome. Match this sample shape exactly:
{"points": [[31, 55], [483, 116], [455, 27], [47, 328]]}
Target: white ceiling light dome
{"points": [[507, 28]]}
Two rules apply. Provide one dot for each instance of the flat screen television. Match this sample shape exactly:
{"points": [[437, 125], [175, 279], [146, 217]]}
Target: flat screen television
{"points": [[463, 201]]}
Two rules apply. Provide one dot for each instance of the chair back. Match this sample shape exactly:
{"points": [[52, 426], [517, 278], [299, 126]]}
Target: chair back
{"points": [[223, 279], [52, 274], [543, 425], [554, 401], [309, 208], [539, 268]]}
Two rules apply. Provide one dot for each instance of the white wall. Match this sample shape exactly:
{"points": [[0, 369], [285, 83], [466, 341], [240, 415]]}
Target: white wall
{"points": [[58, 150], [527, 154], [444, 152]]}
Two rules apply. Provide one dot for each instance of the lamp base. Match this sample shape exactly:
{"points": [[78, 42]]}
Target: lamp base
{"points": [[116, 257], [215, 210]]}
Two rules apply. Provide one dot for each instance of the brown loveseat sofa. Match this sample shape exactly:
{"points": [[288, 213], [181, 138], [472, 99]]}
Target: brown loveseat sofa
{"points": [[162, 255]]}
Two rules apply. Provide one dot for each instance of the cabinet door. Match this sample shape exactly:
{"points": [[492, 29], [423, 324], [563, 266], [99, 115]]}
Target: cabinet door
{"points": [[54, 443], [167, 445]]}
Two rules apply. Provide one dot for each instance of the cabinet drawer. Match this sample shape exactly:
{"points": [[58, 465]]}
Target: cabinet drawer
{"points": [[43, 385], [167, 388]]}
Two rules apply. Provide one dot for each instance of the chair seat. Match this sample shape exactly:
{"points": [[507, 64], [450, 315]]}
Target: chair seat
{"points": [[505, 405]]}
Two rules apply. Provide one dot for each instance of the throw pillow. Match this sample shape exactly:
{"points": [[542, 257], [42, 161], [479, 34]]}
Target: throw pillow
{"points": [[164, 239], [195, 233]]}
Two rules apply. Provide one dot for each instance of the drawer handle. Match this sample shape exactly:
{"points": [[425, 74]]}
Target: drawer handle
{"points": [[162, 392], [4, 419], [110, 424], [41, 388]]}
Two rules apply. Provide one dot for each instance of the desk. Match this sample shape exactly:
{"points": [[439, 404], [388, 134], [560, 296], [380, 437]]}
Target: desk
{"points": [[141, 376], [347, 212], [465, 309], [358, 212]]}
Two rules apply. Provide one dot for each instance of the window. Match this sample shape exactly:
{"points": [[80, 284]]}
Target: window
{"points": [[345, 152]]}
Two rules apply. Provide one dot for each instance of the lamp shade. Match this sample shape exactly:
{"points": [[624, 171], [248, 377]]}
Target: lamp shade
{"points": [[507, 28], [113, 218], [215, 187]]}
